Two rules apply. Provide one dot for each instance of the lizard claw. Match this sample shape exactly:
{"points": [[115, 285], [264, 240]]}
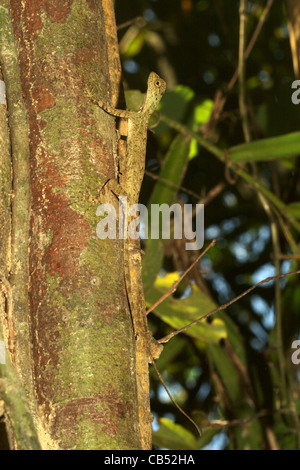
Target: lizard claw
{"points": [[155, 348]]}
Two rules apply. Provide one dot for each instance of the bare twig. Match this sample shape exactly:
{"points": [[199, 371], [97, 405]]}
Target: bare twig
{"points": [[219, 153], [289, 257], [174, 286], [288, 235], [173, 401], [222, 99], [278, 312], [214, 192], [140, 20], [220, 423], [258, 28], [231, 179], [171, 184], [167, 338], [252, 41], [242, 71]]}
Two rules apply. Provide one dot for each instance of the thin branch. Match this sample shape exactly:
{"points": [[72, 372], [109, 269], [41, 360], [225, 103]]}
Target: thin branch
{"points": [[264, 201], [173, 401], [212, 194], [251, 42], [222, 99], [167, 338], [219, 153], [174, 286], [189, 133], [278, 313], [201, 199], [171, 184], [220, 423], [289, 257], [281, 206], [289, 237], [139, 20], [242, 71], [258, 28]]}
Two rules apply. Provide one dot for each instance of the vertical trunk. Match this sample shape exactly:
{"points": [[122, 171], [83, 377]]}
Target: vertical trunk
{"points": [[76, 316]]}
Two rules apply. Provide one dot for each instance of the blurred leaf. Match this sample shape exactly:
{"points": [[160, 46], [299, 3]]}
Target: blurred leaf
{"points": [[202, 113], [170, 352], [132, 42], [267, 149], [294, 209], [175, 104], [285, 438], [201, 116], [135, 100], [180, 312], [174, 437], [245, 368], [235, 337], [193, 149], [173, 171], [228, 374]]}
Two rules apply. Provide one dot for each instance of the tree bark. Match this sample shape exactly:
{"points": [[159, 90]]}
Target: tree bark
{"points": [[73, 346]]}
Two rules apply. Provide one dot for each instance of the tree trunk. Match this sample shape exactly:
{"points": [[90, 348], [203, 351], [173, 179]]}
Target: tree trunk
{"points": [[64, 309]]}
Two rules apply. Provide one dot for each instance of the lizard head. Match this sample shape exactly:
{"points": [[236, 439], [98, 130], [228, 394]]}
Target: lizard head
{"points": [[155, 90]]}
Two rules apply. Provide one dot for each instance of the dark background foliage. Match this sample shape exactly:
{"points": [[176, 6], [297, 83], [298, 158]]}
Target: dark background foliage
{"points": [[194, 44]]}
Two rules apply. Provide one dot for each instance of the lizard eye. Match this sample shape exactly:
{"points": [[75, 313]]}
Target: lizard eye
{"points": [[158, 83]]}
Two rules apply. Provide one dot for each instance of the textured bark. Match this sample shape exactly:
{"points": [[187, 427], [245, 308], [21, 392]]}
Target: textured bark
{"points": [[16, 264], [15, 376], [84, 386]]}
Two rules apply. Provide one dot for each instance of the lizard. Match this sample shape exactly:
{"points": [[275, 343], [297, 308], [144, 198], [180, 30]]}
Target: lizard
{"points": [[147, 348]]}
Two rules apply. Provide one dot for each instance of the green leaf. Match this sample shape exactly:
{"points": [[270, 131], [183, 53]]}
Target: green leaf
{"points": [[174, 437], [228, 373], [173, 171], [135, 100], [171, 350], [133, 44], [235, 338], [283, 146], [180, 312], [294, 209], [201, 115], [175, 104], [193, 149]]}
